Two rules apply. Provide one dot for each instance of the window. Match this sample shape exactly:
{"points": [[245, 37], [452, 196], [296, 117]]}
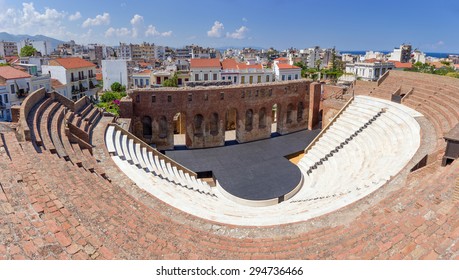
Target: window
{"points": [[190, 97], [243, 80], [215, 77], [267, 78], [289, 77], [136, 82], [296, 76], [259, 79], [196, 77], [283, 77], [169, 98], [146, 124], [206, 77], [235, 79], [223, 78], [147, 82], [6, 98], [153, 98], [251, 80], [13, 89]]}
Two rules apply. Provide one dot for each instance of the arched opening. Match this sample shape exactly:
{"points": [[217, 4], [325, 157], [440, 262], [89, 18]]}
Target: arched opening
{"points": [[230, 124], [179, 129], [290, 113], [198, 125], [248, 120], [162, 127], [214, 124], [274, 116], [146, 127], [299, 112], [262, 118]]}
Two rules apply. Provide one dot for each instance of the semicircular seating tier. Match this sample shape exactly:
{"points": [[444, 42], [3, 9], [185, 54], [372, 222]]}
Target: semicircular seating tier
{"points": [[371, 141]]}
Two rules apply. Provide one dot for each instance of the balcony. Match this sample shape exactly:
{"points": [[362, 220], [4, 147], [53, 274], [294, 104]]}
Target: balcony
{"points": [[92, 76], [22, 93]]}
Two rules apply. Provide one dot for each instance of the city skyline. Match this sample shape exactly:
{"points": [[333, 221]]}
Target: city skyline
{"points": [[347, 25]]}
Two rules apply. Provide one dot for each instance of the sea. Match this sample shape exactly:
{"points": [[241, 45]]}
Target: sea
{"points": [[431, 54]]}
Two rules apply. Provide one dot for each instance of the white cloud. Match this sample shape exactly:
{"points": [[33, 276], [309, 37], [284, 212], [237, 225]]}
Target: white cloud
{"points": [[152, 31], [119, 32], [75, 16], [244, 19], [98, 20], [216, 30], [166, 34], [137, 19], [28, 20], [239, 33], [440, 43]]}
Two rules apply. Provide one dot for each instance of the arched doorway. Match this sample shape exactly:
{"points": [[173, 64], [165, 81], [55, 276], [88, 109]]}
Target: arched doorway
{"points": [[230, 124], [248, 120], [262, 118], [147, 130], [179, 129], [274, 117]]}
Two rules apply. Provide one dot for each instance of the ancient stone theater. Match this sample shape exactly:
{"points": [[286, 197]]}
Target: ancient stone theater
{"points": [[282, 170]]}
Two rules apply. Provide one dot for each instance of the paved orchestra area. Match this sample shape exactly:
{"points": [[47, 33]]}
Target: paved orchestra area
{"points": [[256, 170]]}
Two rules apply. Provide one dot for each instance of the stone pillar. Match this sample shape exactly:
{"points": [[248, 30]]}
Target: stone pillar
{"points": [[314, 105]]}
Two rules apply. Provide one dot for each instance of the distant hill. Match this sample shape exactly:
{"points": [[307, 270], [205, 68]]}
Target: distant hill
{"points": [[4, 36]]}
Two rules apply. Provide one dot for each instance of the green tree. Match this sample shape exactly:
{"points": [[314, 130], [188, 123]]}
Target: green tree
{"points": [[117, 87], [172, 82], [28, 51]]}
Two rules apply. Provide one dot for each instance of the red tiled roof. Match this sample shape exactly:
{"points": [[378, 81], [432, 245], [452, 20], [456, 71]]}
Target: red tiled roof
{"points": [[229, 64], [370, 60], [232, 64], [143, 72], [71, 63], [56, 84], [9, 73], [281, 59], [205, 63], [11, 59], [399, 64], [287, 66]]}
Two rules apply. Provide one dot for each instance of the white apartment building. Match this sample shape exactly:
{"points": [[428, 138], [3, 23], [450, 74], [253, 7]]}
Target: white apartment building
{"points": [[402, 54], [245, 73], [15, 85], [369, 71], [115, 70], [205, 69], [76, 74], [43, 47]]}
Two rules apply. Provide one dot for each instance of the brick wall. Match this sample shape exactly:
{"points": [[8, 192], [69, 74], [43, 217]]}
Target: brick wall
{"points": [[204, 107]]}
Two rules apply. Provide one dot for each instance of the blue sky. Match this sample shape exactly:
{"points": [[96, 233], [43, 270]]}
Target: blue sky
{"points": [[348, 25]]}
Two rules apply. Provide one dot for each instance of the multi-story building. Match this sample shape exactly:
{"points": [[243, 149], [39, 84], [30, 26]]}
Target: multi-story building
{"points": [[8, 49], [141, 79], [43, 47], [283, 71], [142, 51], [312, 56], [369, 71], [76, 74], [14, 87], [402, 54], [124, 51], [244, 73], [116, 70], [205, 69]]}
